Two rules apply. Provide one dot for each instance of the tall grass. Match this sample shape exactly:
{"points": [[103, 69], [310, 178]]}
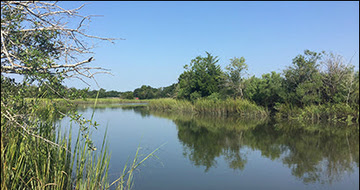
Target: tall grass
{"points": [[30, 162], [340, 112], [171, 105], [105, 101], [92, 100], [238, 107]]}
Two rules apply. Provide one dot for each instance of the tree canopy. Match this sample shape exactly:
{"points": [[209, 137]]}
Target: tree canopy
{"points": [[201, 78]]}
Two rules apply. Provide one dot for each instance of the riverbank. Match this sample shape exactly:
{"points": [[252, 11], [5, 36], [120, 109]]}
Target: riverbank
{"points": [[229, 107]]}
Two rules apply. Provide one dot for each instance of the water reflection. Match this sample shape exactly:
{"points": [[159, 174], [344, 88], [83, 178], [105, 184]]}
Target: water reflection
{"points": [[314, 153]]}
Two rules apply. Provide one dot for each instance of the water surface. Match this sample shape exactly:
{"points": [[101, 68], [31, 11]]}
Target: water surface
{"points": [[227, 153]]}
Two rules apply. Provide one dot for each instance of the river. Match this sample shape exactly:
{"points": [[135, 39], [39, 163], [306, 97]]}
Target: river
{"points": [[204, 152]]}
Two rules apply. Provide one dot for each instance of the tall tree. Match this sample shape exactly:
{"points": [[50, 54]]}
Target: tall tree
{"points": [[302, 80], [235, 73], [203, 77]]}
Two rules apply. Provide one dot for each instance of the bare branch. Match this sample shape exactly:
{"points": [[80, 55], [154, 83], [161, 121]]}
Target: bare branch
{"points": [[41, 18]]}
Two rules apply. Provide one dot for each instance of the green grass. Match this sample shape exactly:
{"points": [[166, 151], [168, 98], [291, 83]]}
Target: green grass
{"points": [[333, 113], [238, 107], [30, 162], [106, 101], [93, 100]]}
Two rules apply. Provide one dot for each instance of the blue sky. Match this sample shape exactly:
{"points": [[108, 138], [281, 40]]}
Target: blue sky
{"points": [[161, 37]]}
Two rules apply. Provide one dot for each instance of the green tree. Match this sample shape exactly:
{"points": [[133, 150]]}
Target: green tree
{"points": [[145, 92], [353, 93], [168, 91], [127, 95], [303, 80], [269, 90], [112, 93], [251, 88], [102, 93], [203, 76], [235, 76]]}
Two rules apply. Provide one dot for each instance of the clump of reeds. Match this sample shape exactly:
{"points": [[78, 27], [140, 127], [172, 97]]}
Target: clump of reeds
{"points": [[28, 162], [169, 104], [105, 101], [239, 107]]}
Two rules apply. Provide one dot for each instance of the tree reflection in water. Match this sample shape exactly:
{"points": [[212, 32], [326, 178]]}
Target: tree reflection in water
{"points": [[314, 153]]}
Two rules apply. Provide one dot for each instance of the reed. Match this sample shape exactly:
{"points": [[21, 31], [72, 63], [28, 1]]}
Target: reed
{"points": [[171, 105], [49, 159], [31, 163], [105, 101], [340, 112], [237, 107]]}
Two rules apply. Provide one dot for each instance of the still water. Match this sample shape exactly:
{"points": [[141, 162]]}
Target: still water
{"points": [[227, 153]]}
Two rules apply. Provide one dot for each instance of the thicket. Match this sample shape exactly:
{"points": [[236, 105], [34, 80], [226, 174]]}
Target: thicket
{"points": [[317, 86]]}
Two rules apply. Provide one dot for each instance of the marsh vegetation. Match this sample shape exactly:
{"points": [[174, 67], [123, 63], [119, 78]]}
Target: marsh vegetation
{"points": [[303, 120]]}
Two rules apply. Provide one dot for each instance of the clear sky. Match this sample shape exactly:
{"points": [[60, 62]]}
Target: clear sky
{"points": [[161, 37]]}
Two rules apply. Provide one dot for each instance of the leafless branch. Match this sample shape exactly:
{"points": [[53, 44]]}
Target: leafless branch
{"points": [[46, 17], [35, 38]]}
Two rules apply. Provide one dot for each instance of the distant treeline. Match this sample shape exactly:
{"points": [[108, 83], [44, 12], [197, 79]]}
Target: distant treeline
{"points": [[314, 84], [144, 92]]}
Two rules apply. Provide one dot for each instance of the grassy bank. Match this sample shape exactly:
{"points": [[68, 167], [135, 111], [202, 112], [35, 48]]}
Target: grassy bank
{"points": [[334, 113], [229, 107], [238, 107], [104, 101]]}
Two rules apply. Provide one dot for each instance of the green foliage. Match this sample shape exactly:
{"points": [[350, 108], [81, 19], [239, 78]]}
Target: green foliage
{"points": [[353, 93], [235, 72], [338, 79], [215, 96], [266, 91], [202, 76], [194, 96], [212, 106], [305, 91], [340, 112], [302, 80], [127, 95], [145, 92], [168, 91], [171, 105], [46, 158]]}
